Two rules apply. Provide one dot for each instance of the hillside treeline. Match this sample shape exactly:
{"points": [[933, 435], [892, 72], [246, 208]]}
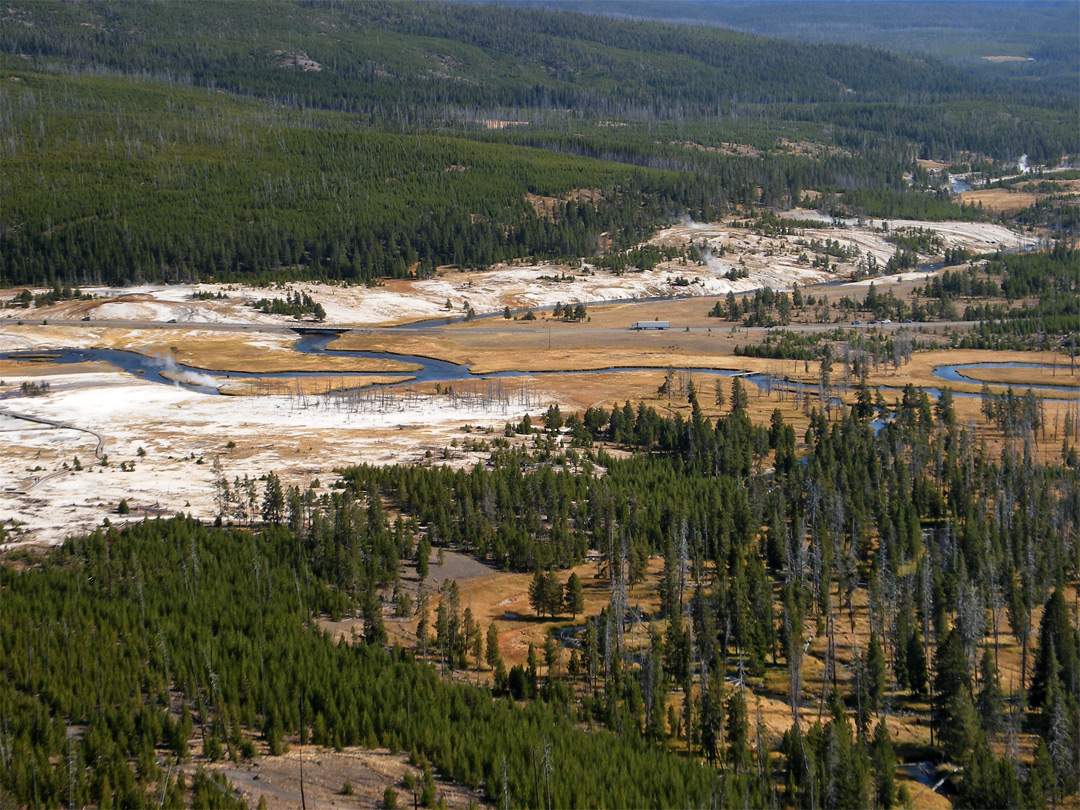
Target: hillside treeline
{"points": [[308, 140], [109, 181], [400, 64], [960, 34], [382, 54]]}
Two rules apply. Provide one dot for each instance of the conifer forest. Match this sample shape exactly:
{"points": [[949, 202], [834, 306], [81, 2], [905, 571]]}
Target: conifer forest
{"points": [[539, 404]]}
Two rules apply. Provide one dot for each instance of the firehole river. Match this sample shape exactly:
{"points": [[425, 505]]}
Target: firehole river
{"points": [[428, 370]]}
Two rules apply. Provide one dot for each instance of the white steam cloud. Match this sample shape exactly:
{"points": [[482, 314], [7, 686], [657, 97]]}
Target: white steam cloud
{"points": [[170, 371]]}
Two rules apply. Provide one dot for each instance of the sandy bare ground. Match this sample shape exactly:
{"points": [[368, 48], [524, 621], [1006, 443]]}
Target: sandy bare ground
{"points": [[978, 237], [368, 772], [769, 261], [181, 433], [401, 301]]}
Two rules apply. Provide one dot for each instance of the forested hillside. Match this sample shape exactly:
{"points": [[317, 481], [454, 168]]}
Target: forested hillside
{"points": [[181, 636], [382, 55], [193, 141], [1038, 38]]}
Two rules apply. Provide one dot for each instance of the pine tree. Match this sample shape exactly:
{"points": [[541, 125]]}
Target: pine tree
{"points": [[1042, 773], [883, 759], [961, 732], [951, 679], [875, 671], [273, 505], [374, 629], [739, 398], [423, 553], [657, 726], [990, 701], [1059, 722], [574, 597], [551, 654], [553, 595], [738, 732], [532, 667], [493, 655], [1056, 632], [916, 664], [711, 716], [538, 592]]}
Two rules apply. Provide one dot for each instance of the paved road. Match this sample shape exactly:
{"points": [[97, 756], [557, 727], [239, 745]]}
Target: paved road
{"points": [[517, 328], [98, 324]]}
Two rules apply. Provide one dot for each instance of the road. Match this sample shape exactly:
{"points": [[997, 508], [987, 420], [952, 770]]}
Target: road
{"points": [[517, 328], [121, 324]]}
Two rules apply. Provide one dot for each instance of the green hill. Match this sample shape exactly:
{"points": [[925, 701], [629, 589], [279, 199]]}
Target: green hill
{"points": [[198, 140]]}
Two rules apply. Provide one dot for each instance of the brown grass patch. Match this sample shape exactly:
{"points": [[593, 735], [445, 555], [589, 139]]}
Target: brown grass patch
{"points": [[325, 772], [547, 207], [736, 149], [919, 371], [227, 354], [302, 386], [556, 346], [1022, 377], [811, 149], [1002, 200], [41, 368]]}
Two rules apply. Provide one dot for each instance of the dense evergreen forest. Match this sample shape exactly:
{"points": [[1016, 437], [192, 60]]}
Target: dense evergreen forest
{"points": [[1041, 35], [181, 633], [191, 141]]}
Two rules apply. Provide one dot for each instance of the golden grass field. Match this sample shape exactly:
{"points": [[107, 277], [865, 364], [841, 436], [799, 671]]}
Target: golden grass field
{"points": [[303, 386], [1000, 200], [27, 368], [919, 371], [1011, 200], [1019, 378]]}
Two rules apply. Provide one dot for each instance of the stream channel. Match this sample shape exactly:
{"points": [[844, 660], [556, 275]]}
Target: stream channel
{"points": [[429, 370]]}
